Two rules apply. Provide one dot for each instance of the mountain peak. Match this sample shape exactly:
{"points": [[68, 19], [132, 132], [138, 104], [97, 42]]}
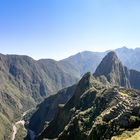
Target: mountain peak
{"points": [[112, 68], [124, 48], [85, 83], [112, 56], [88, 76], [108, 63]]}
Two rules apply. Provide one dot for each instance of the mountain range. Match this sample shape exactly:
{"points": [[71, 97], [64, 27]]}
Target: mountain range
{"points": [[26, 82], [99, 102], [88, 61], [95, 112]]}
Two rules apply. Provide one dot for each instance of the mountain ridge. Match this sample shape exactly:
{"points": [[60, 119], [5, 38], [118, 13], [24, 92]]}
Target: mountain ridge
{"points": [[129, 57], [93, 98], [26, 82], [117, 74]]}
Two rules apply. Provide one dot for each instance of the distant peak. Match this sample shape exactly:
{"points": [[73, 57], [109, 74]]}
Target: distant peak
{"points": [[112, 54], [110, 57], [124, 47]]}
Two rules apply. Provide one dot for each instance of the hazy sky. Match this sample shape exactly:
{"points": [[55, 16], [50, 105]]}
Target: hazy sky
{"points": [[59, 28]]}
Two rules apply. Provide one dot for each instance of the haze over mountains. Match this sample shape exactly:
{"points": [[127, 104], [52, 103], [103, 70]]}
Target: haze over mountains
{"points": [[88, 61], [26, 82]]}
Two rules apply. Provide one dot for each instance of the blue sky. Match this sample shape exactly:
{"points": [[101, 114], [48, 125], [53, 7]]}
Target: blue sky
{"points": [[59, 28]]}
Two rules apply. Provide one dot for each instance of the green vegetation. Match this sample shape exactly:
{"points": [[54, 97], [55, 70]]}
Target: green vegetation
{"points": [[5, 128], [96, 115], [128, 135], [134, 119]]}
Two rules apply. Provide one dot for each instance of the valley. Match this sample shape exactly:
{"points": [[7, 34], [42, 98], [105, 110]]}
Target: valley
{"points": [[105, 98], [18, 124], [21, 122]]}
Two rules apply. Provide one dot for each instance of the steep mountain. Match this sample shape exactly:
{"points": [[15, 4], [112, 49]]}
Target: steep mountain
{"points": [[117, 74], [24, 83], [95, 111], [112, 68]]}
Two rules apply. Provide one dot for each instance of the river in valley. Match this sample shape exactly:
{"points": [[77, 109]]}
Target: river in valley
{"points": [[21, 122]]}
